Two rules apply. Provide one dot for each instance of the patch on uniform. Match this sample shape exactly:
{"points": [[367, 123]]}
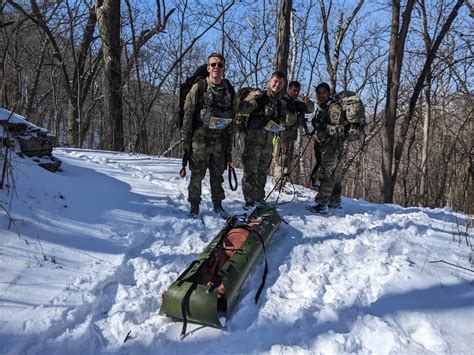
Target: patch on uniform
{"points": [[335, 114], [273, 127], [219, 122]]}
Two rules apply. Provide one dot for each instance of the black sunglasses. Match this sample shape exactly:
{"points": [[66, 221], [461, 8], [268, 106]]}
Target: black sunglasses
{"points": [[219, 65]]}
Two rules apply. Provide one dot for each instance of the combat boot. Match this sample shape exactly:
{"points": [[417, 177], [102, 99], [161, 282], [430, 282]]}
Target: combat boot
{"points": [[194, 212], [335, 204], [261, 203], [249, 205], [220, 210], [321, 208]]}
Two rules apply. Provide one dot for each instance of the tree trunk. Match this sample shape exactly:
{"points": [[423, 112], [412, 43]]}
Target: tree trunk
{"points": [[283, 36], [426, 138], [108, 14], [396, 52], [281, 63]]}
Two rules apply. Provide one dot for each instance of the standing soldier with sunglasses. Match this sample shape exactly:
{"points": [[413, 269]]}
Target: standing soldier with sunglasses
{"points": [[207, 133]]}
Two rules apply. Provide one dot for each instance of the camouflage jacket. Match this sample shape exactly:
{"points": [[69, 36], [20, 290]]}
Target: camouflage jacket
{"points": [[261, 107], [298, 108], [329, 122]]}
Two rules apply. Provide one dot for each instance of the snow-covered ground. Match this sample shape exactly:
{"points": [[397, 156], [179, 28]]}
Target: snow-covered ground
{"points": [[92, 248]]}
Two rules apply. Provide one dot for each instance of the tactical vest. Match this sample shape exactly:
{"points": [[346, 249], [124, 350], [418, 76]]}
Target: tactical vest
{"points": [[331, 119], [269, 109], [216, 105]]}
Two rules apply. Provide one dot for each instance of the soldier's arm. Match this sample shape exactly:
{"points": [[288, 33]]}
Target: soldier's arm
{"points": [[309, 106], [250, 103], [190, 106], [305, 106]]}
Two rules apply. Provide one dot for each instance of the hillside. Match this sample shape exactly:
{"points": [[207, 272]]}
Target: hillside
{"points": [[92, 248]]}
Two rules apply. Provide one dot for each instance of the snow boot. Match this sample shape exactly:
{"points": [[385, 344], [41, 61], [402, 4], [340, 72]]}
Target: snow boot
{"points": [[335, 204], [194, 212], [320, 208], [220, 211], [261, 203], [249, 205]]}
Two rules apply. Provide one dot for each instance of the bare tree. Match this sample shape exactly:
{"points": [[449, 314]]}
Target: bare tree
{"points": [[77, 84], [408, 115], [396, 52], [332, 64]]}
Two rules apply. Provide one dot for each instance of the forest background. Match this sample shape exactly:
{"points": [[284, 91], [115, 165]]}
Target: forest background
{"points": [[106, 74]]}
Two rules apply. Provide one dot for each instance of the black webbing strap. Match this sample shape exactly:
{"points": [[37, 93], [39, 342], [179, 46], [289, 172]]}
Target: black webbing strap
{"points": [[187, 296], [265, 270], [185, 307], [180, 277], [233, 184]]}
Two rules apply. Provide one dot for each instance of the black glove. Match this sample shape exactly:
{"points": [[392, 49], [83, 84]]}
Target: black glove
{"points": [[262, 100], [320, 136], [228, 157]]}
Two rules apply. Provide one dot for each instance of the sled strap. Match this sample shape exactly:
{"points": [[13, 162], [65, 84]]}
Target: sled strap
{"points": [[265, 270], [233, 184], [185, 307], [180, 278]]}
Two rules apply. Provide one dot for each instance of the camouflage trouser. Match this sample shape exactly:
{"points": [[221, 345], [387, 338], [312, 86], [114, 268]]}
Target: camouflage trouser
{"points": [[212, 157], [256, 159], [285, 160], [330, 172]]}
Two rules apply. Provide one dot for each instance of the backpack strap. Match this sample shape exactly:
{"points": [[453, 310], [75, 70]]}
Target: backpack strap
{"points": [[230, 88], [202, 88]]}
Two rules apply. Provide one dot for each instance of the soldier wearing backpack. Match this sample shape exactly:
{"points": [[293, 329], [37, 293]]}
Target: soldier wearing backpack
{"points": [[207, 133], [338, 120], [262, 116], [329, 136]]}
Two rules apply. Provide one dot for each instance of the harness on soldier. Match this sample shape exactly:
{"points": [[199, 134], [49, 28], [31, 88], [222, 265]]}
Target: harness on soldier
{"points": [[210, 107], [266, 113]]}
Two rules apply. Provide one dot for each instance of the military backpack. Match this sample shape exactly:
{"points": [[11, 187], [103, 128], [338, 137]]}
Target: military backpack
{"points": [[354, 112]]}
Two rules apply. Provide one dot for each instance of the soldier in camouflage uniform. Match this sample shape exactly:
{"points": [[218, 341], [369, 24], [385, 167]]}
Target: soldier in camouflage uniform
{"points": [[289, 135], [264, 118], [329, 136], [207, 133]]}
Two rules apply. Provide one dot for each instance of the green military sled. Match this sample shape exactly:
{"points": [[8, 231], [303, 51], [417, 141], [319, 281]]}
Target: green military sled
{"points": [[209, 287]]}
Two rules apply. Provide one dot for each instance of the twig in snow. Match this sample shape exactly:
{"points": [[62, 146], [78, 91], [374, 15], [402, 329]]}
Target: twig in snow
{"points": [[12, 221], [446, 262], [42, 251], [128, 336]]}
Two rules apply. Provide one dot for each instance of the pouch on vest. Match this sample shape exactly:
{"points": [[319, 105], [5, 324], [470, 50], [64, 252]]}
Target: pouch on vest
{"points": [[335, 114], [335, 130]]}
